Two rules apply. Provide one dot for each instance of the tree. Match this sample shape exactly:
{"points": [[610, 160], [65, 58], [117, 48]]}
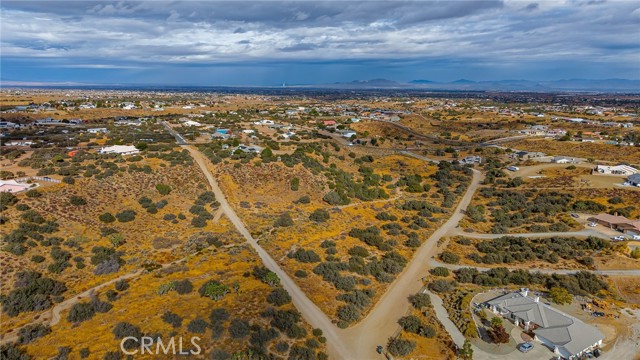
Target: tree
{"points": [[319, 215], [635, 253], [466, 353], [498, 334], [420, 300], [496, 321], [560, 296], [266, 153], [400, 347], [295, 184], [163, 189], [107, 218], [214, 290], [410, 323], [284, 220], [279, 297]]}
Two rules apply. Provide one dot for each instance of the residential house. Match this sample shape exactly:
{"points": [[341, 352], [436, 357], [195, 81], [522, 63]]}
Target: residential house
{"points": [[564, 160], [13, 186], [97, 130], [471, 159], [8, 125], [616, 170], [248, 149], [634, 180], [568, 337], [264, 122], [346, 133], [120, 150], [619, 223], [525, 155]]}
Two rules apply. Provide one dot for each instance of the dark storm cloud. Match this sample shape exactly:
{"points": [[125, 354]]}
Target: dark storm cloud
{"points": [[342, 34]]}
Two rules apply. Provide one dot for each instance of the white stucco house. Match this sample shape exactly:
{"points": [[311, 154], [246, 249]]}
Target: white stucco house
{"points": [[120, 149], [616, 170]]}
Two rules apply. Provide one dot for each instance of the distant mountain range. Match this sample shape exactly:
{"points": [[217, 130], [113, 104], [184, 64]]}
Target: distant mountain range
{"points": [[605, 85]]}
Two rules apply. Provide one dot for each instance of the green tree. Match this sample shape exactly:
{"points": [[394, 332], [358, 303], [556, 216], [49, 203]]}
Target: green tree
{"points": [[560, 296], [496, 321], [163, 189], [466, 353], [295, 184], [214, 290], [267, 153]]}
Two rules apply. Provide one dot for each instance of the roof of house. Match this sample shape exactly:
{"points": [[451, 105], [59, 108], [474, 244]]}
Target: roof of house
{"points": [[611, 219], [571, 335]]}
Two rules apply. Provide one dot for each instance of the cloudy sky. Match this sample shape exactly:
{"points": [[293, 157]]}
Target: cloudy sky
{"points": [[306, 42]]}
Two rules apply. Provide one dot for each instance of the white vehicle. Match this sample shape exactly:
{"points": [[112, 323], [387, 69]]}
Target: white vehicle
{"points": [[513, 168], [618, 238], [592, 224], [636, 237]]}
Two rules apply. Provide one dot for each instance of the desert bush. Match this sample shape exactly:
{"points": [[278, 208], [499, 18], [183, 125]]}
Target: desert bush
{"points": [[107, 218], [239, 328], [442, 285], [183, 286], [439, 271], [122, 285], [31, 332], [319, 215], [126, 216], [198, 326], [448, 257], [284, 220], [400, 347], [77, 200], [279, 297], [213, 290], [81, 312], [163, 189], [420, 300]]}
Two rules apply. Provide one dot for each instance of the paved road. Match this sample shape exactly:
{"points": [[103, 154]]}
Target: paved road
{"points": [[179, 139]]}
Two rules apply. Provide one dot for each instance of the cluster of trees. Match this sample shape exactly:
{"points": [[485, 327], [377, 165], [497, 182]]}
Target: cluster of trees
{"points": [[32, 292], [580, 283], [150, 206], [106, 259], [497, 332], [86, 310], [32, 229], [511, 208], [509, 249], [413, 324], [304, 256]]}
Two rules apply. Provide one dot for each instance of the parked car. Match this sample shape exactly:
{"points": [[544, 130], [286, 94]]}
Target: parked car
{"points": [[636, 237], [618, 238], [597, 314], [592, 224], [513, 168], [525, 347], [574, 215]]}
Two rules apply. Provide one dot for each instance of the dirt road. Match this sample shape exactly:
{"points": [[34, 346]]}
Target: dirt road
{"points": [[381, 322], [311, 313]]}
